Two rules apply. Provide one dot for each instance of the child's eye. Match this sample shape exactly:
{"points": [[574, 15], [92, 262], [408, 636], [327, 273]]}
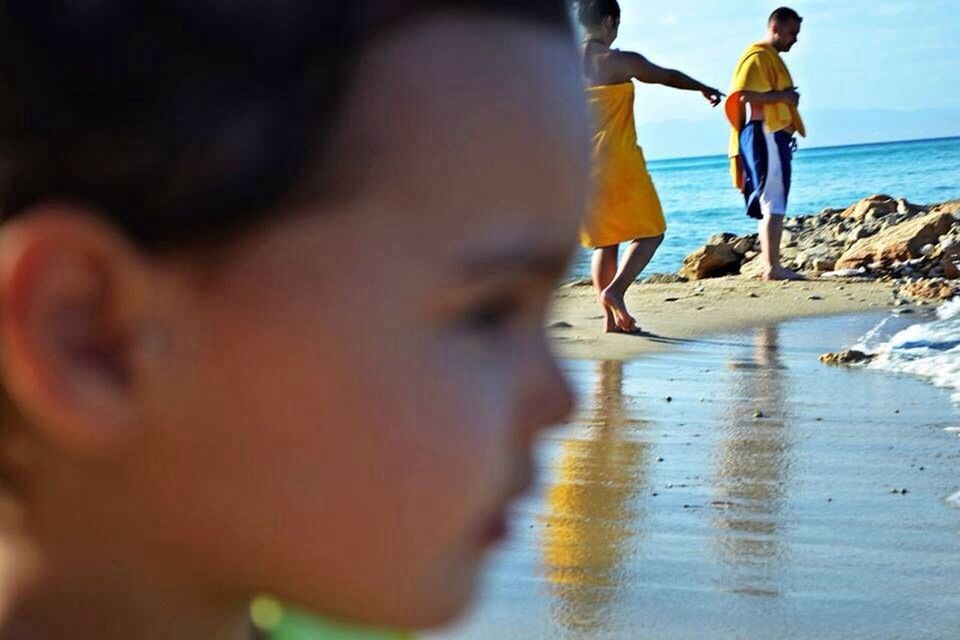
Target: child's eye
{"points": [[492, 314]]}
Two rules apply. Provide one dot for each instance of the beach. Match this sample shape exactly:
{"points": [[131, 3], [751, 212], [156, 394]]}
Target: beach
{"points": [[718, 481], [669, 314]]}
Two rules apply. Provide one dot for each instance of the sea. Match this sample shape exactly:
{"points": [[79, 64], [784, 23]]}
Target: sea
{"points": [[699, 201]]}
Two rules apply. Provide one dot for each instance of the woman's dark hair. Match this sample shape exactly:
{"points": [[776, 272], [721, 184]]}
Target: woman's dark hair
{"points": [[182, 121], [592, 13]]}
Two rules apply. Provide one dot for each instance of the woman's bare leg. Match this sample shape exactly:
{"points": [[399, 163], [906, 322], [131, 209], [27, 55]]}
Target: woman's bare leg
{"points": [[604, 270], [635, 260]]}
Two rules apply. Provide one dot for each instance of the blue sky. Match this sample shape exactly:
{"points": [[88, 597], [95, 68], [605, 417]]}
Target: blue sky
{"points": [[857, 64]]}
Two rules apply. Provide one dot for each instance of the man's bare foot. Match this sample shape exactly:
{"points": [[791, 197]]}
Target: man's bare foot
{"points": [[781, 273], [614, 304]]}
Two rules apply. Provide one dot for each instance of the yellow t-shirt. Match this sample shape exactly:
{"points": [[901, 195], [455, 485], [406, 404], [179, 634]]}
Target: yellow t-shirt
{"points": [[760, 69]]}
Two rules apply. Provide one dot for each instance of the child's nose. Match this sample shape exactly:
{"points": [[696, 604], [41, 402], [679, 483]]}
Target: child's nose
{"points": [[548, 399], [564, 402]]}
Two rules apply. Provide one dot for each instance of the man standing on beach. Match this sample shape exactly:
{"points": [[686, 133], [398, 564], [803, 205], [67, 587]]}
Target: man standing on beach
{"points": [[762, 108]]}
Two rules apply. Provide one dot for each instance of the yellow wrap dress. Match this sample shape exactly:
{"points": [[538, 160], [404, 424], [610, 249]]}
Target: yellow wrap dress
{"points": [[624, 205]]}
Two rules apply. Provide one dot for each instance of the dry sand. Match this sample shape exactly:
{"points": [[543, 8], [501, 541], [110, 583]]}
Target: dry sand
{"points": [[671, 313]]}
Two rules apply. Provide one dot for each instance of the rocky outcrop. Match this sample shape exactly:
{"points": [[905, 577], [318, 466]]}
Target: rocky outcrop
{"points": [[874, 206], [752, 269], [951, 267], [906, 241], [878, 237], [851, 356], [665, 278], [931, 289], [817, 258], [711, 261], [952, 207]]}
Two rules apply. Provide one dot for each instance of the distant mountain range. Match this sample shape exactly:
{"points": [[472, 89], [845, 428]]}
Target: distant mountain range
{"points": [[826, 128]]}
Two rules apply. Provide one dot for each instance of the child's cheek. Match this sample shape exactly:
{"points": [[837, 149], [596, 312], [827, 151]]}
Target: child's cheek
{"points": [[465, 439]]}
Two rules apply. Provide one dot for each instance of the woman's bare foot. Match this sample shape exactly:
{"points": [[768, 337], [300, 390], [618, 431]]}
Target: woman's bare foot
{"points": [[614, 305], [609, 322], [781, 273]]}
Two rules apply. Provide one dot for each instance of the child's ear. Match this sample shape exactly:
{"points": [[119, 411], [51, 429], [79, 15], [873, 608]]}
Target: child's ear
{"points": [[70, 296]]}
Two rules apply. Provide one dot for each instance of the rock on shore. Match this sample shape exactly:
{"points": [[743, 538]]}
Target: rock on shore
{"points": [[846, 358], [878, 238]]}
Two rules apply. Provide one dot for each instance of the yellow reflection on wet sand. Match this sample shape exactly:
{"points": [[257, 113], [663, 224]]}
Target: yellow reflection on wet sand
{"points": [[591, 518]]}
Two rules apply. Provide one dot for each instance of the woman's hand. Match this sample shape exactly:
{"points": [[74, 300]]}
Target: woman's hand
{"points": [[713, 96]]}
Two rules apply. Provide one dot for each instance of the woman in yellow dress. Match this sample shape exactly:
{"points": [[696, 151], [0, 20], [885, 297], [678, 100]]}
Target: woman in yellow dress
{"points": [[624, 206]]}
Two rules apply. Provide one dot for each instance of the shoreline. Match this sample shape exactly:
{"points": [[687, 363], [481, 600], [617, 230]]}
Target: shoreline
{"points": [[671, 314]]}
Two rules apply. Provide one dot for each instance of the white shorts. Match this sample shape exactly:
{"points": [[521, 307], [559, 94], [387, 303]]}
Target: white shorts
{"points": [[773, 198], [768, 164]]}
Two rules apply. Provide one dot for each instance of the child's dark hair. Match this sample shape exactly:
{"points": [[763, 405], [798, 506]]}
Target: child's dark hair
{"points": [[592, 13], [182, 121]]}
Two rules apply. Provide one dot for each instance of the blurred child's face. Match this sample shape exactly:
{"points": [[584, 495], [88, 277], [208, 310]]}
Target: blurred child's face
{"points": [[342, 412]]}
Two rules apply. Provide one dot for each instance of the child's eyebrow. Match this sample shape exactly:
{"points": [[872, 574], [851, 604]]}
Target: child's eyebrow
{"points": [[546, 261]]}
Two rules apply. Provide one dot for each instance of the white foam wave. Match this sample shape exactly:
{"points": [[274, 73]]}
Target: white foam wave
{"points": [[874, 339], [955, 499], [949, 310], [930, 350]]}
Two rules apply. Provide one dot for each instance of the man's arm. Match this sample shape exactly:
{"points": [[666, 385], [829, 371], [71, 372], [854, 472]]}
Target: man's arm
{"points": [[625, 65], [790, 96]]}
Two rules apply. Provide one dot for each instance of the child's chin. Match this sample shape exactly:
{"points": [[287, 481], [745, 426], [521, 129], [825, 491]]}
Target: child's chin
{"points": [[439, 607], [419, 609]]}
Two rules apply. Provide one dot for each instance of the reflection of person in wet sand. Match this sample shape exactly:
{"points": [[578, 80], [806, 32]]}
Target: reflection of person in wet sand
{"points": [[625, 206], [752, 466], [591, 517]]}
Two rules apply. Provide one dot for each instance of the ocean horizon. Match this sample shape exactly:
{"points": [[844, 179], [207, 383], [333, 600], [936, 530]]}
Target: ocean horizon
{"points": [[825, 147]]}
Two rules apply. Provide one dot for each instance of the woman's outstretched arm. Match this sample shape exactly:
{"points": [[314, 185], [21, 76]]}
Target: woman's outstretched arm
{"points": [[628, 65]]}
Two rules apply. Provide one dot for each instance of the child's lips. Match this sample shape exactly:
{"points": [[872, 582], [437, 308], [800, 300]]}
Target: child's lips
{"points": [[496, 530]]}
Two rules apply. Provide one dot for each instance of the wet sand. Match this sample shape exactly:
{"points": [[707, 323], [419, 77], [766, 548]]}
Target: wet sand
{"points": [[734, 487], [670, 313]]}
